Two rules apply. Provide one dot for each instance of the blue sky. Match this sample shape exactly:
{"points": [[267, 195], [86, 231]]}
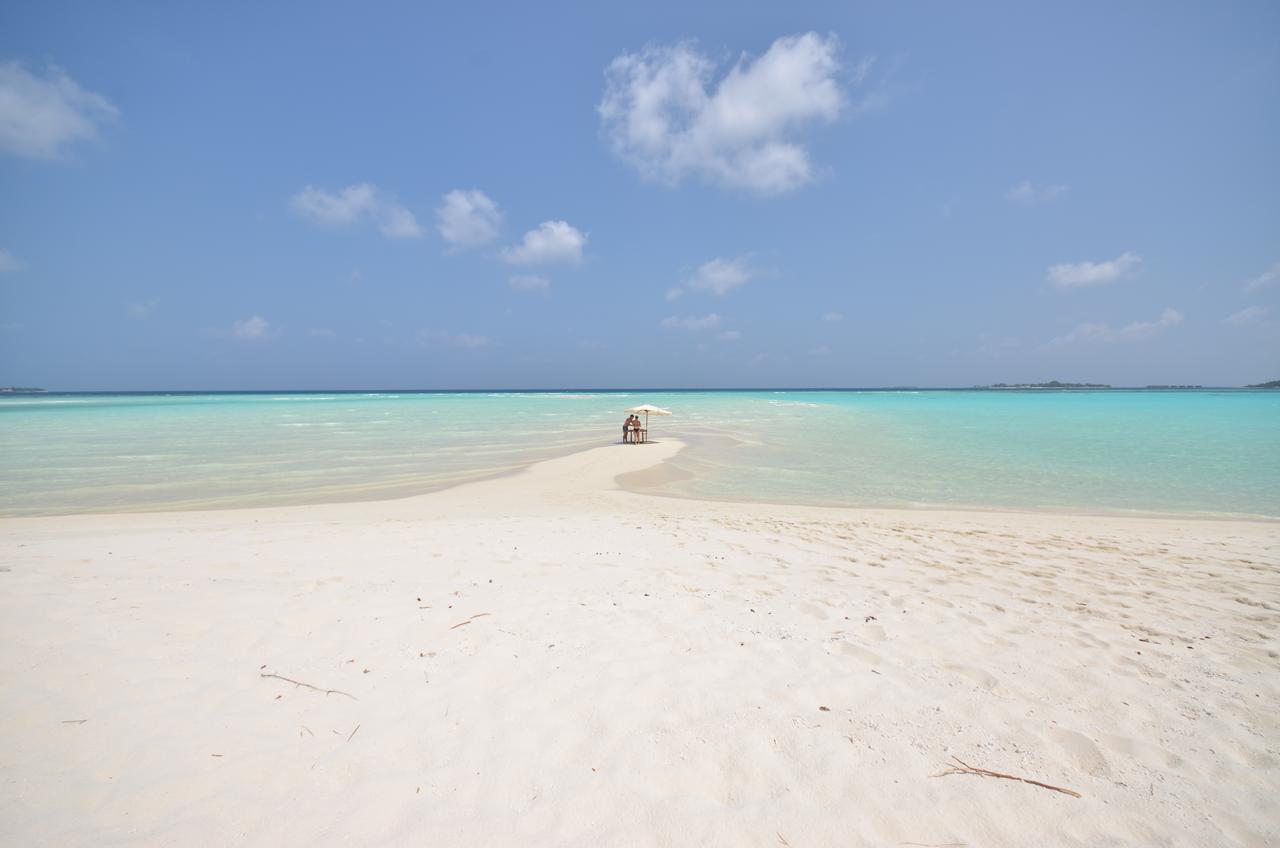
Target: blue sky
{"points": [[254, 196]]}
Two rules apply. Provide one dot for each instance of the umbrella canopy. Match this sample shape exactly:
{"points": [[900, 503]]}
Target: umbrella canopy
{"points": [[648, 409]]}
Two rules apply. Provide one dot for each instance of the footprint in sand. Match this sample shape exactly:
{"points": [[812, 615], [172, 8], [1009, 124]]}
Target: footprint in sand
{"points": [[1081, 751]]}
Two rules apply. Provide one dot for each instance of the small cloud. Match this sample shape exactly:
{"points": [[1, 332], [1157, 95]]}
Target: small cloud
{"points": [[1072, 275], [552, 242], [832, 317], [728, 336], [468, 218], [691, 322], [143, 309], [530, 283], [41, 115], [255, 329], [1248, 315], [1135, 331], [1030, 195], [1265, 280], [447, 339], [9, 263], [720, 276], [321, 333], [665, 114], [353, 204], [673, 293], [820, 350]]}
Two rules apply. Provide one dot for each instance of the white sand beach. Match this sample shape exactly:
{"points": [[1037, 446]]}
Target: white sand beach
{"points": [[549, 659]]}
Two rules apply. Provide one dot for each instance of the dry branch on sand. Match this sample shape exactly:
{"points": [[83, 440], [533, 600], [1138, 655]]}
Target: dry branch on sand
{"points": [[309, 686], [959, 766]]}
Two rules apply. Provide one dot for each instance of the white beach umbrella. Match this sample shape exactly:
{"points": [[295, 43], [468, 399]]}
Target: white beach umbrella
{"points": [[648, 409]]}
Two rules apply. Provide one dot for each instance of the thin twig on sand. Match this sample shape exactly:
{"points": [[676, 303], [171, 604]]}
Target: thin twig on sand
{"points": [[309, 686], [959, 766], [353, 733], [469, 620], [75, 721]]}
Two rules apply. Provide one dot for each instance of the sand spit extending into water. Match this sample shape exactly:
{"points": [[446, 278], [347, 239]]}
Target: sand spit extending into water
{"points": [[544, 659]]}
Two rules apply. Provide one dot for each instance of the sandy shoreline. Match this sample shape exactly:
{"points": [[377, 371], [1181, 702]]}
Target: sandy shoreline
{"points": [[545, 658]]}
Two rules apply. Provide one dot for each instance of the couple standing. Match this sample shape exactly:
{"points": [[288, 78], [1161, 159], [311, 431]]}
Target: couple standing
{"points": [[632, 432]]}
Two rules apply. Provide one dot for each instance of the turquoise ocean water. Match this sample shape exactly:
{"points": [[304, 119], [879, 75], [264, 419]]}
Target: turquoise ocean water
{"points": [[1200, 452]]}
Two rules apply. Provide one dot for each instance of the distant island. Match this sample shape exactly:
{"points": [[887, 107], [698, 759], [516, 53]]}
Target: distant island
{"points": [[1052, 384], [14, 390], [1274, 384], [1174, 387]]}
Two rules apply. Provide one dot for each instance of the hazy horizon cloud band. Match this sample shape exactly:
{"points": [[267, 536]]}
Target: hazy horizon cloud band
{"points": [[1209, 452]]}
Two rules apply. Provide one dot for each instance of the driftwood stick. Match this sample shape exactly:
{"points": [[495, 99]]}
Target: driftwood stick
{"points": [[961, 767], [469, 620], [309, 686]]}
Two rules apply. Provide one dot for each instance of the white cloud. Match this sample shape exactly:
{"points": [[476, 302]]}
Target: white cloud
{"points": [[1029, 195], [353, 204], [9, 263], [1072, 275], [821, 350], [728, 336], [530, 283], [1265, 280], [255, 329], [1248, 315], [468, 218], [665, 114], [552, 242], [721, 275], [1134, 331], [39, 116], [692, 322], [673, 293], [832, 317], [143, 309], [443, 337], [1139, 330], [321, 333]]}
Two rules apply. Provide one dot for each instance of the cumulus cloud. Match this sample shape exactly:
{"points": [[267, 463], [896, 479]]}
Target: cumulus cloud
{"points": [[353, 204], [255, 329], [1134, 331], [832, 317], [448, 339], [720, 276], [666, 114], [530, 283], [691, 322], [673, 293], [468, 218], [41, 115], [551, 243], [1074, 275], [728, 336], [9, 263], [1248, 315], [1265, 280], [1029, 194]]}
